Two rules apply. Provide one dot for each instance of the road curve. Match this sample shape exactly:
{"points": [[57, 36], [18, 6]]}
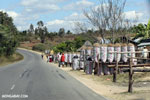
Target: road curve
{"points": [[34, 79]]}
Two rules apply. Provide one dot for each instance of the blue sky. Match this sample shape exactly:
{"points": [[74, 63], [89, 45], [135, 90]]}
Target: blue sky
{"points": [[63, 13]]}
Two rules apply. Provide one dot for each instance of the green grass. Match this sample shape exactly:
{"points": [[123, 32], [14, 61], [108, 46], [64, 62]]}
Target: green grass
{"points": [[11, 59]]}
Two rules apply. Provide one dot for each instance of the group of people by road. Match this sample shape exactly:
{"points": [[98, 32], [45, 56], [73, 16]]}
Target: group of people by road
{"points": [[64, 59]]}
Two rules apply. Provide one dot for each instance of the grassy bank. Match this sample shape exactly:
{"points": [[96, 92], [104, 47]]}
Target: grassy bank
{"points": [[11, 59]]}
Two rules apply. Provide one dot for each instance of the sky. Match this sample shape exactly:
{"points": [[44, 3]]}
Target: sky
{"points": [[58, 14]]}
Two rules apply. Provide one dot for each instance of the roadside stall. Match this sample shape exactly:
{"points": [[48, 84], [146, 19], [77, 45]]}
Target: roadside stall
{"points": [[89, 62], [131, 48], [110, 57], [96, 55], [82, 57], [124, 48], [103, 50]]}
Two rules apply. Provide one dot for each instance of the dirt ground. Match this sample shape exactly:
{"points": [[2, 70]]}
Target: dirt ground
{"points": [[104, 86], [110, 90]]}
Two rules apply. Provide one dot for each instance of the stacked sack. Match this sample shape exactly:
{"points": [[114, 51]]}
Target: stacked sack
{"points": [[124, 48], [103, 50], [110, 56], [117, 48], [82, 56], [131, 48], [96, 52]]}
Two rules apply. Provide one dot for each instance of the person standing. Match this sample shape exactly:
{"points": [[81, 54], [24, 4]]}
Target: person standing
{"points": [[63, 59], [48, 57], [59, 59], [66, 59], [42, 55], [50, 60], [70, 59], [145, 54]]}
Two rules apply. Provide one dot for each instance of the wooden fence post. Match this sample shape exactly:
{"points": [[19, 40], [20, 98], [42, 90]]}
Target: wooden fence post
{"points": [[130, 87], [115, 69]]}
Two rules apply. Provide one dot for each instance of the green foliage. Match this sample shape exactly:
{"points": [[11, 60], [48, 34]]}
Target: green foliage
{"points": [[139, 28], [41, 31], [69, 46], [8, 32], [40, 47], [61, 32], [148, 25], [142, 30]]}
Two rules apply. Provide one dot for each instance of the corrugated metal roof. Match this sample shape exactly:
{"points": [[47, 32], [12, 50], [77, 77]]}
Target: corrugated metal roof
{"points": [[144, 44], [137, 40]]}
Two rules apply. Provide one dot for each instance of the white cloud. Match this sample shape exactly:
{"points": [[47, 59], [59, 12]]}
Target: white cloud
{"points": [[133, 15], [41, 6], [68, 22], [33, 2], [28, 2], [19, 20], [75, 17], [55, 25], [55, 22], [23, 21], [79, 5], [12, 14]]}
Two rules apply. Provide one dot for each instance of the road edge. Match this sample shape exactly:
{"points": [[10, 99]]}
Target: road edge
{"points": [[54, 64]]}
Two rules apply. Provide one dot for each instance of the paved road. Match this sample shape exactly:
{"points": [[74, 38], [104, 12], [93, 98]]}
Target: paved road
{"points": [[34, 79]]}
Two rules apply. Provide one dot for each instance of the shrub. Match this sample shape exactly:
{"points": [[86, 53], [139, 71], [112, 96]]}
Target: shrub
{"points": [[39, 47]]}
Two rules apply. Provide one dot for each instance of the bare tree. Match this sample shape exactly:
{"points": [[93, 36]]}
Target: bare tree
{"points": [[80, 27], [106, 16]]}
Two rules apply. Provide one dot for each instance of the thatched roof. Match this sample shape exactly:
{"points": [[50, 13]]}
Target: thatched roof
{"points": [[82, 48], [96, 45], [88, 44]]}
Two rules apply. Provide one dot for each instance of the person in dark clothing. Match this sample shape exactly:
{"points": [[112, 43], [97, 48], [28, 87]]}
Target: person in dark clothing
{"points": [[42, 55]]}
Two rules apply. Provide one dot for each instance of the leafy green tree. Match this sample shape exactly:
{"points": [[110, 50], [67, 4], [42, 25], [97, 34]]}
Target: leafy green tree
{"points": [[69, 46], [31, 30], [148, 25], [61, 31], [148, 30], [69, 32], [78, 42], [41, 31], [140, 30], [8, 35]]}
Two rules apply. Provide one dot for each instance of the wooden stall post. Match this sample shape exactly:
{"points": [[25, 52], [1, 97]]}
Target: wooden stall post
{"points": [[84, 58], [98, 67], [130, 87], [115, 69], [80, 60]]}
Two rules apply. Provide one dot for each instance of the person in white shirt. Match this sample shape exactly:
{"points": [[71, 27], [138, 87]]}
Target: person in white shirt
{"points": [[70, 59], [66, 59], [59, 59], [48, 58], [144, 54]]}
